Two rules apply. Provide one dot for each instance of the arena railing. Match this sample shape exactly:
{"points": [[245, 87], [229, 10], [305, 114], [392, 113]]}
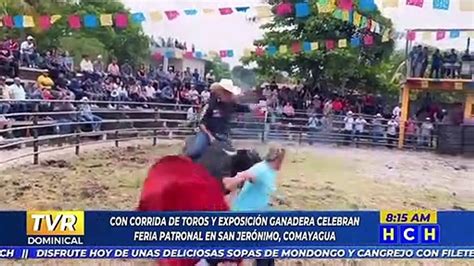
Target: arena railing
{"points": [[43, 129]]}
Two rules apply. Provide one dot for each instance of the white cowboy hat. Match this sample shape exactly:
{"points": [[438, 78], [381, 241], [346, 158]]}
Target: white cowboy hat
{"points": [[227, 85], [84, 99], [349, 113], [378, 115]]}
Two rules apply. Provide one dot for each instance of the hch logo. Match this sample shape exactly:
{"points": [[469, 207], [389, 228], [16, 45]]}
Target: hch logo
{"points": [[55, 223], [409, 234]]}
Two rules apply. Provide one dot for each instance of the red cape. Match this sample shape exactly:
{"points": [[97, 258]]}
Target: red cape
{"points": [[175, 183]]}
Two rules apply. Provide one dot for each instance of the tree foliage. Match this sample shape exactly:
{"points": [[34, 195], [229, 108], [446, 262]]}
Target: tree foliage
{"points": [[243, 77], [351, 68], [130, 43], [219, 68]]}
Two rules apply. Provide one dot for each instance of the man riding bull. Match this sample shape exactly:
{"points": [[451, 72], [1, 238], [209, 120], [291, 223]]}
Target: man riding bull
{"points": [[216, 117]]}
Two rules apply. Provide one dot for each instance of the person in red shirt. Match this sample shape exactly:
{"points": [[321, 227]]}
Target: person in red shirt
{"points": [[337, 106], [13, 46]]}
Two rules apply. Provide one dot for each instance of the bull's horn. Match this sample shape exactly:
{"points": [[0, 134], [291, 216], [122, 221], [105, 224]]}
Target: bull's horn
{"points": [[230, 153]]}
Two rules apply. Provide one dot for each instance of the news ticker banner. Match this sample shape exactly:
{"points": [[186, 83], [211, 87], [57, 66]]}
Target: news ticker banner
{"points": [[361, 234]]}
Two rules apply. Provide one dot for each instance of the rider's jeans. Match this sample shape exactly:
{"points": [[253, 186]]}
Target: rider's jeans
{"points": [[197, 148]]}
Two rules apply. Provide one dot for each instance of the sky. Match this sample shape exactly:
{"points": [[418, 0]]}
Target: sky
{"points": [[217, 32]]}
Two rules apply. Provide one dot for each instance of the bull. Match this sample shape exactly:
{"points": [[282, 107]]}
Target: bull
{"points": [[176, 183]]}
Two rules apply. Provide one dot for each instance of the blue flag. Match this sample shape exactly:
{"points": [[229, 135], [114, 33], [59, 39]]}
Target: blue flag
{"points": [[355, 41], [169, 54], [302, 10], [138, 17], [367, 5], [454, 34], [441, 4], [242, 9], [190, 12], [18, 22], [198, 54], [306, 46], [271, 50], [230, 53], [90, 21]]}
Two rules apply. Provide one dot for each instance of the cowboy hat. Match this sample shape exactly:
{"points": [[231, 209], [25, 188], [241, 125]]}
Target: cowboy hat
{"points": [[226, 84]]}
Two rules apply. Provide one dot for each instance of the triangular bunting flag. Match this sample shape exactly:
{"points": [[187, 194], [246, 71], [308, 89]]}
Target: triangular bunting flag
{"points": [[271, 50], [345, 4], [8, 21], [330, 44], [441, 4], [355, 41], [208, 10], [156, 16], [242, 9], [178, 54], [44, 22], [18, 22], [55, 18], [263, 11], [247, 52], [284, 9], [296, 47], [28, 22], [121, 20], [259, 51], [138, 17], [368, 39], [190, 12], [357, 18], [367, 5], [314, 46], [390, 3], [302, 10], [411, 35], [418, 3], [306, 46], [74, 22], [157, 56], [342, 43], [90, 21], [454, 34], [466, 5], [106, 20], [426, 36], [283, 49], [230, 53], [171, 14], [225, 11], [440, 35]]}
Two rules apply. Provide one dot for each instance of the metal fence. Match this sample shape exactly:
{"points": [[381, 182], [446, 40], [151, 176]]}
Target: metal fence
{"points": [[38, 126]]}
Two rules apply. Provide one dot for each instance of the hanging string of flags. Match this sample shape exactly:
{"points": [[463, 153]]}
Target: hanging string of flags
{"points": [[122, 20], [464, 5]]}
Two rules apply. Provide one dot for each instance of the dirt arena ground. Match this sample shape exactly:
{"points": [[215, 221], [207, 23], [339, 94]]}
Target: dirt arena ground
{"points": [[312, 178]]}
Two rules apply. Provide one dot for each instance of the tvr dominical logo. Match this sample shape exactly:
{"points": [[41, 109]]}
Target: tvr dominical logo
{"points": [[54, 227]]}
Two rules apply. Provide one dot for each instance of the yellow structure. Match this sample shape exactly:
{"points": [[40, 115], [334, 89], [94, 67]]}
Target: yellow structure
{"points": [[465, 86]]}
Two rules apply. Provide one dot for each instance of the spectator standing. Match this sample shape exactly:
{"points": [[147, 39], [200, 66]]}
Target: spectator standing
{"points": [[28, 52], [377, 128], [7, 62], [98, 66], [426, 132], [391, 131], [315, 125], [359, 125], [18, 95], [423, 61], [126, 68], [196, 75], [87, 68], [436, 64], [410, 131], [4, 95], [396, 111], [348, 127], [67, 62]]}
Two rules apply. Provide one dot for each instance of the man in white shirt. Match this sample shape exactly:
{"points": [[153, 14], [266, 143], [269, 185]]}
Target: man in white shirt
{"points": [[194, 95], [205, 95], [28, 52], [360, 123], [17, 94], [348, 127], [397, 111], [391, 132], [86, 65]]}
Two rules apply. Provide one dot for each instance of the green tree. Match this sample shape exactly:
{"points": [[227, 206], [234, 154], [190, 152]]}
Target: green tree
{"points": [[219, 68], [243, 77], [347, 68], [130, 43]]}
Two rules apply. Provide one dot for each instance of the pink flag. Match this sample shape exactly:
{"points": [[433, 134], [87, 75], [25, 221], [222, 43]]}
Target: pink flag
{"points": [[440, 35], [188, 54], [171, 14], [223, 53], [284, 9], [296, 47], [74, 22], [121, 20], [345, 4], [225, 11], [44, 22], [157, 56], [368, 39], [8, 21], [259, 51], [418, 3], [330, 44], [411, 35]]}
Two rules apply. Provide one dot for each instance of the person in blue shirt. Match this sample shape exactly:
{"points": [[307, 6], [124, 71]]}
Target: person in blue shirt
{"points": [[258, 186]]}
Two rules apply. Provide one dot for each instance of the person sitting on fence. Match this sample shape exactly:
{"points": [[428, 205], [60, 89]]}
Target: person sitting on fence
{"points": [[215, 118], [86, 115]]}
